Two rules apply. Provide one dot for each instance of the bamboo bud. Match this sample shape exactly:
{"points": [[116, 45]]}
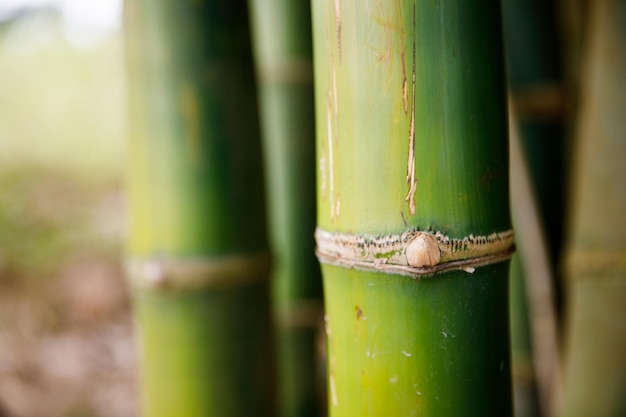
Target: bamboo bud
{"points": [[423, 251]]}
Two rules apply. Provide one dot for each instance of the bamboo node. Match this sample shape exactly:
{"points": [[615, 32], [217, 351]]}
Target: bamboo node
{"points": [[185, 274], [414, 252], [588, 262]]}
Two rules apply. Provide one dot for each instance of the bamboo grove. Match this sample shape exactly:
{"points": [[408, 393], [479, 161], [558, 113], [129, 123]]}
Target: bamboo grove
{"points": [[286, 151]]}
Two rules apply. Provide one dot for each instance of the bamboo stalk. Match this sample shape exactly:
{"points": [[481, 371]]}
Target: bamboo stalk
{"points": [[525, 392], [198, 262], [537, 179], [535, 80], [595, 366], [283, 51], [538, 278], [413, 213]]}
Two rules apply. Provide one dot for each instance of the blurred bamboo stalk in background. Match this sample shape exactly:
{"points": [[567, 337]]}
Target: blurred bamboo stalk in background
{"points": [[283, 51], [537, 181], [536, 91], [595, 366], [525, 390], [573, 19], [414, 232], [198, 259], [536, 278]]}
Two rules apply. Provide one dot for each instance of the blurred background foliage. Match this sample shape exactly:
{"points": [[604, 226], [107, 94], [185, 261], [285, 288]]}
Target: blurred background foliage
{"points": [[66, 343], [61, 141]]}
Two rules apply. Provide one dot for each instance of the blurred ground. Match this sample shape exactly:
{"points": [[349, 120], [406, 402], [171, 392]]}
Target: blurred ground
{"points": [[66, 346]]}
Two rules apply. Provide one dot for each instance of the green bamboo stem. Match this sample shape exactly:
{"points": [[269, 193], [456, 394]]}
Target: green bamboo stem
{"points": [[537, 279], [197, 245], [534, 74], [595, 366], [525, 393], [283, 49], [537, 178], [412, 135]]}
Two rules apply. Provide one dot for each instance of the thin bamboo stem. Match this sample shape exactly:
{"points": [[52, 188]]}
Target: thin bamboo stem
{"points": [[538, 273], [283, 51]]}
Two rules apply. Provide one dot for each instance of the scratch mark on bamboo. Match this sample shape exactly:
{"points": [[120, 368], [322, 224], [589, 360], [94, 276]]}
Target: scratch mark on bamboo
{"points": [[331, 371], [410, 175], [323, 176], [388, 33], [359, 312], [335, 104], [331, 169], [338, 27], [405, 97], [338, 206]]}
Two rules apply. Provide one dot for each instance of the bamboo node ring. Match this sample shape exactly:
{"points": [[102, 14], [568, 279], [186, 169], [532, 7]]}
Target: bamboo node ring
{"points": [[173, 274], [413, 252]]}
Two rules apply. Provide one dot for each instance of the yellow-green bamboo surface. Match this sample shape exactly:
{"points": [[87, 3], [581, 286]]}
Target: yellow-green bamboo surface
{"points": [[595, 366], [412, 135], [283, 51], [197, 248]]}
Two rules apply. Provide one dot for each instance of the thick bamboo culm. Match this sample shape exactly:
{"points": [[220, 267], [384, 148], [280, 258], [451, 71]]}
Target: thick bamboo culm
{"points": [[413, 213], [198, 258], [595, 365], [283, 52]]}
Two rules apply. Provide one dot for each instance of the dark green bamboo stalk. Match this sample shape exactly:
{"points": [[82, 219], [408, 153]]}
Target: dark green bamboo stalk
{"points": [[535, 80], [595, 367], [413, 213], [525, 393], [197, 248], [283, 49]]}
